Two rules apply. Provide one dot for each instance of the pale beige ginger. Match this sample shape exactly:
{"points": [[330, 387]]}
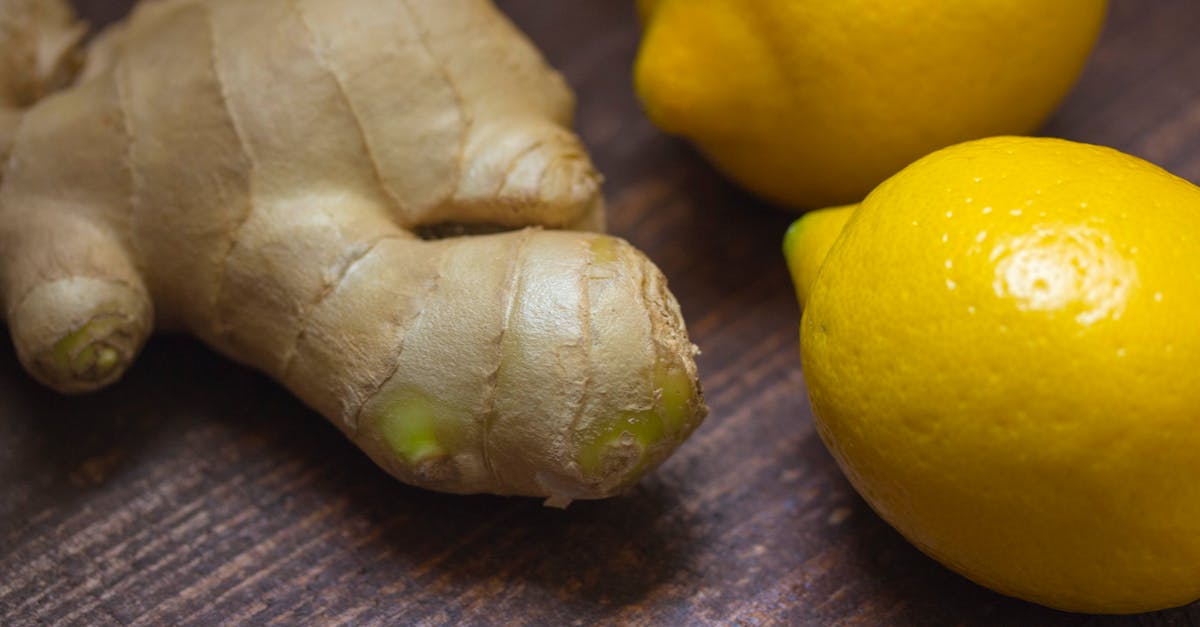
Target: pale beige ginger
{"points": [[38, 54], [254, 172]]}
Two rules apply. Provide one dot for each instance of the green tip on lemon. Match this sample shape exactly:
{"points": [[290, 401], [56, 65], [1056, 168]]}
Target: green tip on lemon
{"points": [[808, 241]]}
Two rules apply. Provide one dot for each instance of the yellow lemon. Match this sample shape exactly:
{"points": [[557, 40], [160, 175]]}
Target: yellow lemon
{"points": [[1002, 350], [814, 102]]}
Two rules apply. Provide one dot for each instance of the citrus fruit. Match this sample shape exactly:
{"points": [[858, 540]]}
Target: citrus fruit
{"points": [[814, 102], [1002, 351]]}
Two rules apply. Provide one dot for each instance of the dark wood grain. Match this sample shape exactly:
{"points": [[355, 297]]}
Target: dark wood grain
{"points": [[197, 492]]}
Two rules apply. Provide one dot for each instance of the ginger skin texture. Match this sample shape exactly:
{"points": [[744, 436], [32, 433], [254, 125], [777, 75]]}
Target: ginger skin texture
{"points": [[253, 173]]}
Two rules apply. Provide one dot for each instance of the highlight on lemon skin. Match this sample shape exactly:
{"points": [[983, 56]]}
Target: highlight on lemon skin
{"points": [[807, 242]]}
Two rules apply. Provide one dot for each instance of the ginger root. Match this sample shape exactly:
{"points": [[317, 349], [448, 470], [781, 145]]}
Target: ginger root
{"points": [[254, 172]]}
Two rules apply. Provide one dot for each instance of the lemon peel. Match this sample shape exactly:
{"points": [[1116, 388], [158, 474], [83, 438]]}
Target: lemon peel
{"points": [[1002, 353], [812, 103]]}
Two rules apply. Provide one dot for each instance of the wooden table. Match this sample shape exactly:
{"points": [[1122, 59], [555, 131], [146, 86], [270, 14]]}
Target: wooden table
{"points": [[198, 492]]}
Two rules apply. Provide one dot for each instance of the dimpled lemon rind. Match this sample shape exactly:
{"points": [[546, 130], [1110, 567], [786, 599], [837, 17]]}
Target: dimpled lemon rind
{"points": [[1002, 351], [814, 102]]}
